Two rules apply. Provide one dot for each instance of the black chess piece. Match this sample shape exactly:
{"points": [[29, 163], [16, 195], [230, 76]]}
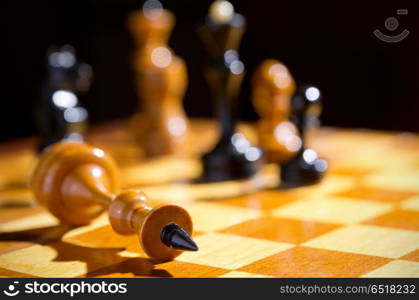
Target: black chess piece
{"points": [[233, 157], [306, 167], [59, 114]]}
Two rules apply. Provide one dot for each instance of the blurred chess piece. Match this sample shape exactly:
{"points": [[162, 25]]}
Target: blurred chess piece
{"points": [[232, 157], [59, 114], [272, 88], [77, 182], [306, 167], [161, 81]]}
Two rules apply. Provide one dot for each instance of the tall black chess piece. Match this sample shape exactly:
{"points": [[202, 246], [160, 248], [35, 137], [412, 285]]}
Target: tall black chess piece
{"points": [[306, 167], [233, 157], [59, 115]]}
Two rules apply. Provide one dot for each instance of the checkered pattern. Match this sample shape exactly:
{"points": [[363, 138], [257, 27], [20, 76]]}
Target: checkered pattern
{"points": [[362, 220]]}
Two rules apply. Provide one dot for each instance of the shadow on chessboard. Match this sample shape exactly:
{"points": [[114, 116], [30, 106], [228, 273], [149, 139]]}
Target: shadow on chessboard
{"points": [[113, 263]]}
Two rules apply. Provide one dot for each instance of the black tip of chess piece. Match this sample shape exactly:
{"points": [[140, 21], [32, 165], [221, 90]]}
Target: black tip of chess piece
{"points": [[175, 237], [59, 113], [306, 167]]}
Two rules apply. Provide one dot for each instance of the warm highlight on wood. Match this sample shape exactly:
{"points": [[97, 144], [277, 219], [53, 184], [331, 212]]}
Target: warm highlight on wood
{"points": [[77, 182]]}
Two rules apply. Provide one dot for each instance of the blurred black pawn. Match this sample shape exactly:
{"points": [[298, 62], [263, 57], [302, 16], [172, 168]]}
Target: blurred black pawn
{"points": [[59, 115], [233, 157], [306, 167]]}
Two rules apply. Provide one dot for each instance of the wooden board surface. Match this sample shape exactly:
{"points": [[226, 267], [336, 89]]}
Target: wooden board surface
{"points": [[362, 220]]}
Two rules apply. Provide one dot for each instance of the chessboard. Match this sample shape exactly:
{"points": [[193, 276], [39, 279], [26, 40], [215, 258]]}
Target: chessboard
{"points": [[362, 220]]}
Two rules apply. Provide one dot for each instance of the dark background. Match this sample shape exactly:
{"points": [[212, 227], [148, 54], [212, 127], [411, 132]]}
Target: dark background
{"points": [[365, 82]]}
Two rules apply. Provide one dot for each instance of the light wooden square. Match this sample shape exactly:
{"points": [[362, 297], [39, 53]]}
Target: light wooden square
{"points": [[39, 220], [230, 251], [411, 203], [333, 210], [396, 268], [238, 274], [59, 260], [38, 260], [211, 216], [396, 179], [369, 240], [332, 184]]}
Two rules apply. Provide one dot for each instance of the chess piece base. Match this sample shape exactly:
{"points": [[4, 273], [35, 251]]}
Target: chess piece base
{"points": [[298, 172], [226, 163]]}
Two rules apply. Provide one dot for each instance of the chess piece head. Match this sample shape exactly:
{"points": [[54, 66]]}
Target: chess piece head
{"points": [[221, 12], [56, 186], [77, 182], [273, 87], [65, 72], [223, 29], [151, 25]]}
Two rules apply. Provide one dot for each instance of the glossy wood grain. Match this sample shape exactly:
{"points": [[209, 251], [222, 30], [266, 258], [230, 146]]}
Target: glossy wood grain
{"points": [[359, 221]]}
